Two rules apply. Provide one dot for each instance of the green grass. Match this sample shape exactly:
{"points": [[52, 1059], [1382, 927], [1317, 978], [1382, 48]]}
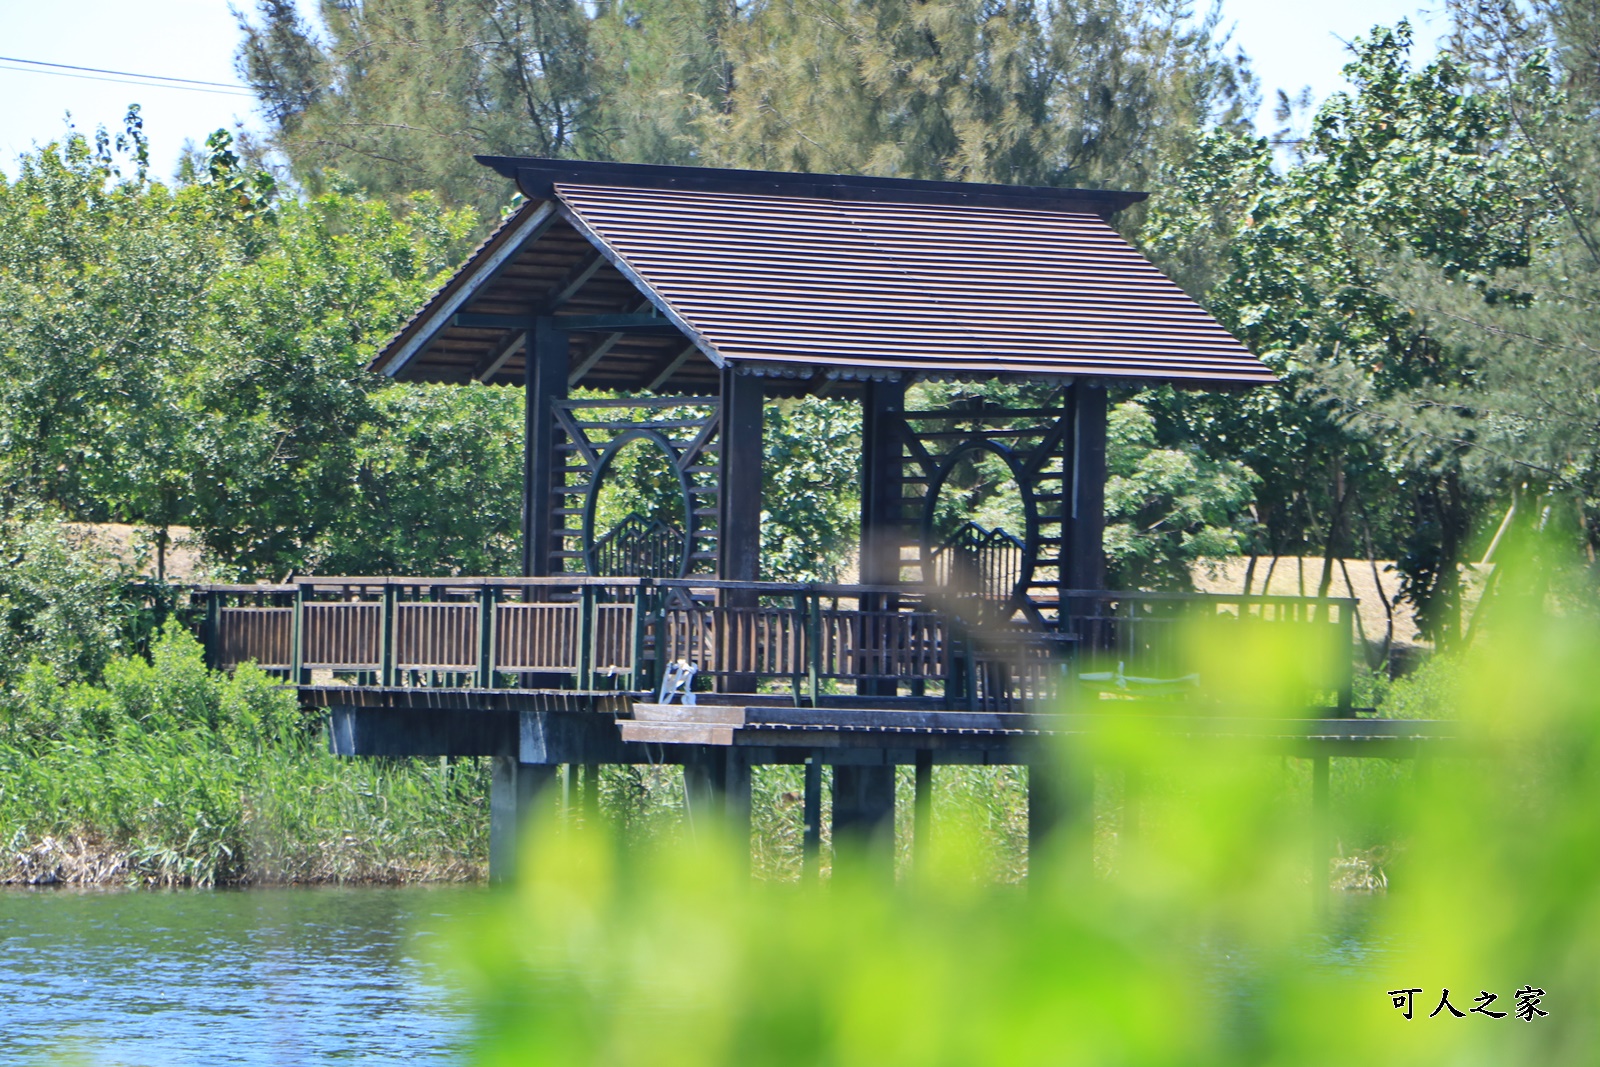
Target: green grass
{"points": [[170, 774]]}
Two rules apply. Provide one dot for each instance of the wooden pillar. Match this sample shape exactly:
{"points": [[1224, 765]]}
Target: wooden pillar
{"points": [[863, 818], [811, 839], [922, 809], [589, 795], [1321, 834], [716, 788], [545, 382], [513, 789], [704, 787], [1083, 532], [211, 630], [1060, 819], [1132, 800], [739, 502], [882, 529], [736, 800], [739, 499], [882, 532]]}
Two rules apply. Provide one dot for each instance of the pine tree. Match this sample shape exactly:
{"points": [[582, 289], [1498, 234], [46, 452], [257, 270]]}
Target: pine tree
{"points": [[399, 94]]}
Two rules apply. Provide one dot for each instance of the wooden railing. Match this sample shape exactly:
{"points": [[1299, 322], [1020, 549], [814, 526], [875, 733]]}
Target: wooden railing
{"points": [[815, 641], [482, 632]]}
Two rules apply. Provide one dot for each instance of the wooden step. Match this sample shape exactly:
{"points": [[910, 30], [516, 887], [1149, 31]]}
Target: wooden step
{"points": [[675, 733]]}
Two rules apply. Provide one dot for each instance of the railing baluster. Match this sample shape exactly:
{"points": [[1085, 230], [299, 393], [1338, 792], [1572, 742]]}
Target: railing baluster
{"points": [[638, 676], [488, 596], [586, 637], [296, 637], [386, 635]]}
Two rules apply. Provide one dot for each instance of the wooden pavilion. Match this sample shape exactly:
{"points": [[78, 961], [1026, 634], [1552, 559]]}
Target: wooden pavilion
{"points": [[667, 305]]}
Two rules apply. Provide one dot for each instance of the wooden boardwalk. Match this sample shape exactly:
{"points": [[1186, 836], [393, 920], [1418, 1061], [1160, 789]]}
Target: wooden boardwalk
{"points": [[542, 672]]}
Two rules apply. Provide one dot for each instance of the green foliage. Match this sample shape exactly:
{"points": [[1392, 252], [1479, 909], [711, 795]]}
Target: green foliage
{"points": [[1196, 943], [982, 488], [194, 355], [179, 775], [1166, 508], [437, 486], [810, 489], [63, 602], [1411, 168], [641, 480], [400, 94], [1073, 93]]}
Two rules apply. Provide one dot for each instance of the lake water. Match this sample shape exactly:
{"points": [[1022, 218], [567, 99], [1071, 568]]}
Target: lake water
{"points": [[265, 976], [303, 976]]}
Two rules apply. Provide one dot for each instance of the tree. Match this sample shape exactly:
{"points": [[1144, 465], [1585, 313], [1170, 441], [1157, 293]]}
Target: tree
{"points": [[103, 278], [436, 486], [1074, 93], [195, 354], [399, 94], [1167, 509], [1412, 168]]}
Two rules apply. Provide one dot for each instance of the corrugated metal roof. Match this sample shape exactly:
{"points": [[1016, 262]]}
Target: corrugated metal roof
{"points": [[910, 287], [811, 277]]}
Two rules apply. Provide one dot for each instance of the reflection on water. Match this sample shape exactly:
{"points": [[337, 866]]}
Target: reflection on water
{"points": [[273, 976]]}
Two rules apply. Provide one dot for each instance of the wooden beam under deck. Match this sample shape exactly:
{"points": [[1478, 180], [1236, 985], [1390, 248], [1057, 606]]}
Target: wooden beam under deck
{"points": [[566, 725], [855, 727]]}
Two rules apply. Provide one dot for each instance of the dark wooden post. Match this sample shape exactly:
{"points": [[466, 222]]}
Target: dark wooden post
{"points": [[640, 675], [1060, 817], [297, 638], [488, 597], [736, 799], [545, 382], [386, 648], [882, 523], [811, 839], [863, 818], [739, 499], [705, 782], [589, 795], [586, 637], [922, 809], [212, 629], [863, 797], [1321, 834], [1132, 799], [513, 789], [1083, 533]]}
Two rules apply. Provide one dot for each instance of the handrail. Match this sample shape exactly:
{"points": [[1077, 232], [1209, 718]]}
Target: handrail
{"points": [[598, 632], [712, 584], [1236, 598], [443, 581]]}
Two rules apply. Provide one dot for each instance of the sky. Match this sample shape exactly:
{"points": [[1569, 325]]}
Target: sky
{"points": [[1292, 44]]}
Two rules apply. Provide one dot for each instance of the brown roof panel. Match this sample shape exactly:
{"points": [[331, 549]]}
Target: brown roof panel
{"points": [[911, 287], [859, 276]]}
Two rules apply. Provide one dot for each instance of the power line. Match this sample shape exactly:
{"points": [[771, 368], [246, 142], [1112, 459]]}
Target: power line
{"points": [[121, 77], [120, 73]]}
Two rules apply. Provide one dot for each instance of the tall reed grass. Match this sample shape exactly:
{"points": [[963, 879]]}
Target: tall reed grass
{"points": [[170, 774]]}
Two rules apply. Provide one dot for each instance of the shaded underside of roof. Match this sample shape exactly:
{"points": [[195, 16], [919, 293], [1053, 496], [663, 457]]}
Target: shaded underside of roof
{"points": [[557, 270], [812, 290]]}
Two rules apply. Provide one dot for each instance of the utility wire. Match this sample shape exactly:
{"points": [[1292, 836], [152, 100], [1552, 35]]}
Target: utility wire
{"points": [[65, 70]]}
